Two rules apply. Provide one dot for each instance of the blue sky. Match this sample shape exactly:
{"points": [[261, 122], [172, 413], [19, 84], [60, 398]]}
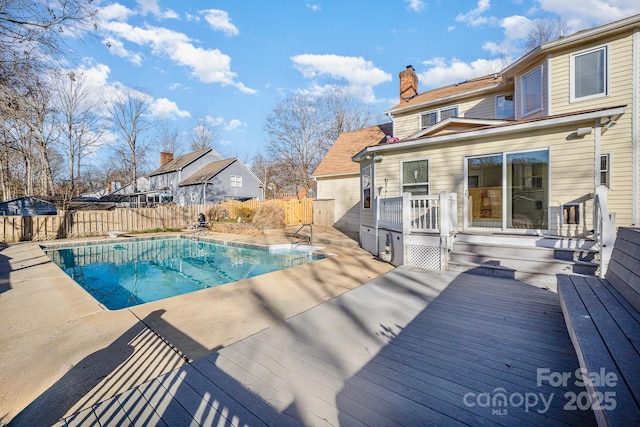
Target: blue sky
{"points": [[230, 62]]}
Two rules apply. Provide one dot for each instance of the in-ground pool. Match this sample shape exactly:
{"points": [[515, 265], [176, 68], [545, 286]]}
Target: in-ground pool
{"points": [[127, 273]]}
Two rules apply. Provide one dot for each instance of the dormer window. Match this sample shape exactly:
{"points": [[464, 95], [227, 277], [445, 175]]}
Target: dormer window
{"points": [[589, 74], [432, 117], [531, 89]]}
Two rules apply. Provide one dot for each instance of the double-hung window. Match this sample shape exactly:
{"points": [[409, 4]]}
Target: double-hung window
{"points": [[432, 117], [236, 181], [589, 74], [605, 170], [415, 177], [531, 91]]}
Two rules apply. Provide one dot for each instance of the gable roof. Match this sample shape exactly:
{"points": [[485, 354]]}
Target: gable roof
{"points": [[180, 162], [337, 161], [207, 172], [456, 90]]}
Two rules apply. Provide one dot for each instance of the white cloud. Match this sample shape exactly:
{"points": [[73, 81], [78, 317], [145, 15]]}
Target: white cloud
{"points": [[354, 70], [588, 13], [314, 7], [207, 65], [474, 17], [117, 48], [416, 5], [442, 72], [516, 27], [115, 12], [219, 20], [152, 6], [233, 125], [163, 108]]}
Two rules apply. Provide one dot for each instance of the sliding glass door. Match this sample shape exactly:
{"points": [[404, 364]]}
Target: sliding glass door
{"points": [[508, 191]]}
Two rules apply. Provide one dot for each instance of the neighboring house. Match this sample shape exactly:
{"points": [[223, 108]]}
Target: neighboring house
{"points": [[524, 150], [338, 177], [27, 206], [222, 180], [202, 177], [124, 196]]}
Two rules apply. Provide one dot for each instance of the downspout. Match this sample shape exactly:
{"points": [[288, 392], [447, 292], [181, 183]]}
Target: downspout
{"points": [[597, 151], [634, 127]]}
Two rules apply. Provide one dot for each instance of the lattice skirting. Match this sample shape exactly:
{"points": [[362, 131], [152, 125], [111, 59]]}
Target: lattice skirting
{"points": [[426, 257]]}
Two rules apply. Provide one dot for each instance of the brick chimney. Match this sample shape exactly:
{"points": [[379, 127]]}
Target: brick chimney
{"points": [[165, 157], [408, 83]]}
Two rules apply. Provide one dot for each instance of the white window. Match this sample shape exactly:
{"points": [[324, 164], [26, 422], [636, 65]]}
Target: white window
{"points": [[504, 106], [366, 187], [589, 74], [432, 117], [415, 177], [236, 180], [605, 170], [193, 197], [531, 91]]}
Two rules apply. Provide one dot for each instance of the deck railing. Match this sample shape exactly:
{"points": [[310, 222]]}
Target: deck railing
{"points": [[419, 214], [604, 227]]}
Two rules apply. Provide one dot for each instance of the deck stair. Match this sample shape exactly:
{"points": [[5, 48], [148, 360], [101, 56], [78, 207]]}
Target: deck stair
{"points": [[532, 259]]}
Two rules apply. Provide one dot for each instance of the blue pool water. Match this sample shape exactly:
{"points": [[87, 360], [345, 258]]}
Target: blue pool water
{"points": [[129, 273]]}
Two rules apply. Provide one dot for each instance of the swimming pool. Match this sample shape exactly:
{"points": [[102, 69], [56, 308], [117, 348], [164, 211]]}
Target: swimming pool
{"points": [[126, 273]]}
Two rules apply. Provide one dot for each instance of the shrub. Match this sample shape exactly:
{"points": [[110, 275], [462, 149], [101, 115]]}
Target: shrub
{"points": [[246, 214], [269, 216], [217, 213]]}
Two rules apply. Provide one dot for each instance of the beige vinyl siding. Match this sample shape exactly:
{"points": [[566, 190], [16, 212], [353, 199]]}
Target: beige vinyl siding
{"points": [[475, 108], [517, 95], [620, 83], [346, 193], [571, 169]]}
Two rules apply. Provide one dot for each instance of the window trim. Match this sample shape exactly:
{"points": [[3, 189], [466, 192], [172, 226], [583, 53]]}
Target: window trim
{"points": [[235, 181], [513, 101], [572, 74], [608, 171], [417, 184], [367, 171], [524, 113], [438, 113]]}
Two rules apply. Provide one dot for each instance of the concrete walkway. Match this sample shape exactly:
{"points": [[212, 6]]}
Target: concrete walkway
{"points": [[411, 347]]}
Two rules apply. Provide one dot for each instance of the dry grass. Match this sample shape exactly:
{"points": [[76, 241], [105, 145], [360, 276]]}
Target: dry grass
{"points": [[236, 228], [269, 216]]}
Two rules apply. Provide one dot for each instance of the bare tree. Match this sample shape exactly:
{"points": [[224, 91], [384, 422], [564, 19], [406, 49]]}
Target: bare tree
{"points": [[202, 134], [168, 137], [545, 30], [302, 128], [129, 120], [80, 125]]}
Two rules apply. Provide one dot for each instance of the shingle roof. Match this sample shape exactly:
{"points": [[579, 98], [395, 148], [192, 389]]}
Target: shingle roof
{"points": [[180, 162], [207, 172], [487, 82], [338, 158]]}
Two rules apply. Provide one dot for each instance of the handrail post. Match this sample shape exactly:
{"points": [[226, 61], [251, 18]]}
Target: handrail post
{"points": [[406, 213], [444, 219]]}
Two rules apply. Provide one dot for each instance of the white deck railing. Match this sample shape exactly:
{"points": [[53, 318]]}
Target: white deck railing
{"points": [[422, 214], [604, 227]]}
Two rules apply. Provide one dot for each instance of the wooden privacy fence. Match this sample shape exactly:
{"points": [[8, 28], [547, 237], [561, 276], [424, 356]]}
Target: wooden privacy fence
{"points": [[98, 223]]}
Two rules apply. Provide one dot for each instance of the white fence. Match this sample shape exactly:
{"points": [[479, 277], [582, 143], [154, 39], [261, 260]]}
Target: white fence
{"points": [[419, 214]]}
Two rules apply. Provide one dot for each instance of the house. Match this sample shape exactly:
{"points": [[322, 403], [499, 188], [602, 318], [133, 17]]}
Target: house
{"points": [[548, 147], [338, 178], [202, 177], [227, 179], [124, 196], [27, 206]]}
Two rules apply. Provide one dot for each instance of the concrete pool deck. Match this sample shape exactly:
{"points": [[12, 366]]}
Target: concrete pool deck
{"points": [[60, 351]]}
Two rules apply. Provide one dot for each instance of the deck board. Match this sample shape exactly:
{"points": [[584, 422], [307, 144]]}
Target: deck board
{"points": [[404, 349]]}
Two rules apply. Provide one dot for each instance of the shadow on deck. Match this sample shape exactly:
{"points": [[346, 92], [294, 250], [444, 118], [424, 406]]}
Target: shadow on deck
{"points": [[411, 347]]}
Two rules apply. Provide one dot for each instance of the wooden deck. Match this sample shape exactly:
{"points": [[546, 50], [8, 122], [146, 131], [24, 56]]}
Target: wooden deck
{"points": [[409, 348]]}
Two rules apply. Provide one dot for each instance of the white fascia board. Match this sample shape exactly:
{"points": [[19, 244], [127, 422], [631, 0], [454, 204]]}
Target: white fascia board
{"points": [[520, 127]]}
